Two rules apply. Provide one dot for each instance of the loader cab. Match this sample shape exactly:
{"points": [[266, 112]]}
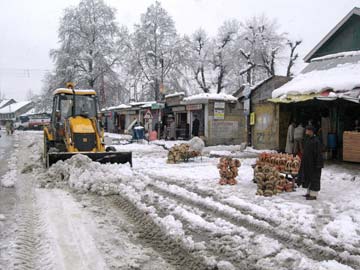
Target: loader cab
{"points": [[71, 103]]}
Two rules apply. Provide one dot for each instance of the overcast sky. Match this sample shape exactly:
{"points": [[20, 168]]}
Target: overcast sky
{"points": [[29, 28]]}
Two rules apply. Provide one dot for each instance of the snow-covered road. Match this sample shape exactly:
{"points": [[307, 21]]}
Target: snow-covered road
{"points": [[166, 216]]}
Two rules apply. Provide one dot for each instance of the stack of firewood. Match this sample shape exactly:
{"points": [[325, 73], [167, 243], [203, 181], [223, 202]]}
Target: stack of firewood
{"points": [[179, 153], [282, 162], [270, 181], [228, 169]]}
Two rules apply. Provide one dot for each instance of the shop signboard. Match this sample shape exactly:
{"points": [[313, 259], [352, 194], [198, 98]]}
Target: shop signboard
{"points": [[157, 106], [194, 107], [130, 112], [252, 118], [219, 105], [219, 110], [179, 109]]}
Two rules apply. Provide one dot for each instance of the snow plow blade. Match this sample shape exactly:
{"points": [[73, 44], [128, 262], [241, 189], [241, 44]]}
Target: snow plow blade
{"points": [[102, 157]]}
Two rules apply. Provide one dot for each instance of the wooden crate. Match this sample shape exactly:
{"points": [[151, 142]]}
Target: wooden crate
{"points": [[351, 147]]}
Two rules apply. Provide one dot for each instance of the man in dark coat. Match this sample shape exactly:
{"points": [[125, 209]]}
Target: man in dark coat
{"points": [[195, 127], [311, 164]]}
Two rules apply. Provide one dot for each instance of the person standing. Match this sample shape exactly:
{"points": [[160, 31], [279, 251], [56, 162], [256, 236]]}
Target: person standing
{"points": [[325, 129], [290, 138], [172, 131], [195, 127], [8, 127], [299, 133], [311, 164]]}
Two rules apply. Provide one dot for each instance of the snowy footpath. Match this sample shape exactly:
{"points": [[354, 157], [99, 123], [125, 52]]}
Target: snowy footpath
{"points": [[83, 215]]}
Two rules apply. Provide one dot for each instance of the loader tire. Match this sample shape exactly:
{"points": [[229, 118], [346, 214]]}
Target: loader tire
{"points": [[46, 150]]}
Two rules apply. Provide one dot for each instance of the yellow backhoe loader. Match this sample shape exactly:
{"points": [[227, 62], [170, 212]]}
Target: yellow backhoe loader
{"points": [[75, 129]]}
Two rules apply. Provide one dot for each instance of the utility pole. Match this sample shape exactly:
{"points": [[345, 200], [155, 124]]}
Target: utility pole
{"points": [[102, 91]]}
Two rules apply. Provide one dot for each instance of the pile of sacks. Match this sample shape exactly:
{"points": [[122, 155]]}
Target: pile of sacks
{"points": [[270, 181], [282, 162], [228, 169], [181, 152]]}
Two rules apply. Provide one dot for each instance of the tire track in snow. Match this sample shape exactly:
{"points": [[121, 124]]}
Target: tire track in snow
{"points": [[306, 246], [172, 251], [222, 246], [31, 248]]}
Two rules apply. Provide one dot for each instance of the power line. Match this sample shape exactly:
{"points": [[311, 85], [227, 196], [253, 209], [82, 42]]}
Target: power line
{"points": [[22, 72]]}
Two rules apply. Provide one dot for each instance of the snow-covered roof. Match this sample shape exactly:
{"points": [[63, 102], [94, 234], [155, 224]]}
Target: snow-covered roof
{"points": [[336, 55], [14, 107], [4, 102], [140, 103], [118, 107], [29, 112], [335, 74], [33, 111], [205, 97], [148, 105], [176, 94], [354, 11]]}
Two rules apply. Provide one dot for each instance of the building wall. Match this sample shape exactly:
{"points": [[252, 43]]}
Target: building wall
{"points": [[347, 38], [265, 132], [225, 131]]}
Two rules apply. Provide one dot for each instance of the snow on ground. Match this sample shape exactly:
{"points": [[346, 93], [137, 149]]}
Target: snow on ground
{"points": [[206, 224], [186, 201]]}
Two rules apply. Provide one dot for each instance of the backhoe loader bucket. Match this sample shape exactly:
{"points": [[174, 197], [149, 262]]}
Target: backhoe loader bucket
{"points": [[101, 157]]}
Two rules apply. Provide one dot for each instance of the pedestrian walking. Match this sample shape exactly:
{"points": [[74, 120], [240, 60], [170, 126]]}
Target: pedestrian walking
{"points": [[311, 164], [290, 138]]}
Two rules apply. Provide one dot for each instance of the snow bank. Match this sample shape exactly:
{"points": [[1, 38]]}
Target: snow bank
{"points": [[196, 144], [8, 180], [82, 174]]}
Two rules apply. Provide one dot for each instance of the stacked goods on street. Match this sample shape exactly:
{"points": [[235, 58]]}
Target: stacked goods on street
{"points": [[182, 152], [270, 181], [284, 163], [270, 170], [228, 169], [351, 149]]}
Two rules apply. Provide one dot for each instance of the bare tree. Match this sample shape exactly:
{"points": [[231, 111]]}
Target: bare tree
{"points": [[293, 56]]}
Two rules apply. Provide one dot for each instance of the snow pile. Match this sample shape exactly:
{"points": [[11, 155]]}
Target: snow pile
{"points": [[82, 174], [172, 226], [196, 144], [343, 77], [8, 180]]}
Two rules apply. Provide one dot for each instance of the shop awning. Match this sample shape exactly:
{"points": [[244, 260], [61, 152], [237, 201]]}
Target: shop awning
{"points": [[302, 98], [293, 98], [355, 100]]}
